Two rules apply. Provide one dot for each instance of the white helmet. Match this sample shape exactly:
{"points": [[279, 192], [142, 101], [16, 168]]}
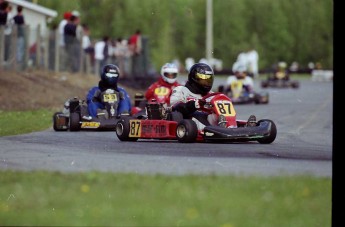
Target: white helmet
{"points": [[169, 73], [239, 67]]}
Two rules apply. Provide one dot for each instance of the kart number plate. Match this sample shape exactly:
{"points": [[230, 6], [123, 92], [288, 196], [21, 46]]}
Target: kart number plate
{"points": [[109, 97], [162, 91], [90, 124], [225, 107], [134, 128]]}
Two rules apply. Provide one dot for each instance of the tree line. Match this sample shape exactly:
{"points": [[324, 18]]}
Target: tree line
{"points": [[280, 30]]}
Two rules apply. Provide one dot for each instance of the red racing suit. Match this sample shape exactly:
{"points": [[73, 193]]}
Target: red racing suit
{"points": [[161, 91]]}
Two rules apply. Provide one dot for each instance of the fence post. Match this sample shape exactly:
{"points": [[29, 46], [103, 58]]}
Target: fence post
{"points": [[2, 46], [38, 47]]}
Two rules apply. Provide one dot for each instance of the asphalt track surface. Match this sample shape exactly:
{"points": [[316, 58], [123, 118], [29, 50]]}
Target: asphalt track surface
{"points": [[303, 116]]}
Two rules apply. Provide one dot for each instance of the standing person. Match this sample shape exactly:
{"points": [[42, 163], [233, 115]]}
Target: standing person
{"points": [[135, 47], [120, 53], [61, 40], [253, 63], [165, 84], [72, 44], [101, 53], [88, 50], [109, 78], [19, 21]]}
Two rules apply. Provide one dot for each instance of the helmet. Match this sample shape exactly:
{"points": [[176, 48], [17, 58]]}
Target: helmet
{"points": [[169, 73], [239, 69], [282, 64], [201, 77], [110, 74]]}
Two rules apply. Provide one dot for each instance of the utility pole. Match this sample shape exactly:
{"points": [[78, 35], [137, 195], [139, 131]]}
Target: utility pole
{"points": [[209, 30]]}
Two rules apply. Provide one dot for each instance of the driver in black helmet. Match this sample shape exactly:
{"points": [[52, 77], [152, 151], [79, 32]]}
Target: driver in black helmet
{"points": [[186, 99], [109, 76]]}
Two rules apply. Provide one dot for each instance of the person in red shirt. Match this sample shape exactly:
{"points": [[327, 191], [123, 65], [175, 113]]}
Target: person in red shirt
{"points": [[161, 89]]}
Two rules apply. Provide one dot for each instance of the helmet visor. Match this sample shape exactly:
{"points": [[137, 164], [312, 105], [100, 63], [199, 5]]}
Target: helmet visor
{"points": [[111, 74], [204, 79], [170, 75]]}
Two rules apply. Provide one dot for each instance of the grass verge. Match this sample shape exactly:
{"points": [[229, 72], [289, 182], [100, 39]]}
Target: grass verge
{"points": [[105, 199], [19, 122]]}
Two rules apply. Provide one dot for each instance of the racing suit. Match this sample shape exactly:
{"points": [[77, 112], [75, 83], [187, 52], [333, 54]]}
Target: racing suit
{"points": [[93, 103], [185, 101], [248, 83], [166, 89]]}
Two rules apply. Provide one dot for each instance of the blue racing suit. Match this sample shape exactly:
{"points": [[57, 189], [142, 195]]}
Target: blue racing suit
{"points": [[92, 103]]}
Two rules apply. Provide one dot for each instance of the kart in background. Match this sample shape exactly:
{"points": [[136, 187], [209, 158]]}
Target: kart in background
{"points": [[240, 95], [164, 124], [279, 80], [75, 115]]}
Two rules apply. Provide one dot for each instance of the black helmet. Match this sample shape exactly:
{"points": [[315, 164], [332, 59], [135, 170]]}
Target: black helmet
{"points": [[201, 78], [110, 74]]}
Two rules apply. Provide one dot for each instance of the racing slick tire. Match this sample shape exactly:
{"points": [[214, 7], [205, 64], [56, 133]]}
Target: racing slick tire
{"points": [[295, 84], [272, 136], [264, 84], [186, 131], [59, 125], [74, 122], [122, 130]]}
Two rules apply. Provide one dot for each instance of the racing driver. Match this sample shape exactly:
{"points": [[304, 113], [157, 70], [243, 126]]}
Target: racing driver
{"points": [[109, 77], [188, 99], [165, 84]]}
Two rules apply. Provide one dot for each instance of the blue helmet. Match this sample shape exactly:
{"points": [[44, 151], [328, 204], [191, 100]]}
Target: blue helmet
{"points": [[110, 74]]}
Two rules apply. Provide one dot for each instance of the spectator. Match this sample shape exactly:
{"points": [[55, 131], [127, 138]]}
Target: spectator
{"points": [[88, 49], [122, 55], [72, 44], [5, 16], [135, 47], [252, 63], [19, 21], [101, 53], [62, 49]]}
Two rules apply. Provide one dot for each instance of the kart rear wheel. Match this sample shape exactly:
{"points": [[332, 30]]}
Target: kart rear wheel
{"points": [[264, 84], [295, 84], [272, 136], [186, 131], [74, 122], [122, 130], [59, 122]]}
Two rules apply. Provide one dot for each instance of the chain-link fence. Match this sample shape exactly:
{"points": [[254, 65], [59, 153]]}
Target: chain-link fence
{"points": [[24, 47]]}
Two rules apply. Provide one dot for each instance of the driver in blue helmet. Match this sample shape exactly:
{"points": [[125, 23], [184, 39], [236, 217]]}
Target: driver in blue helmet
{"points": [[109, 77]]}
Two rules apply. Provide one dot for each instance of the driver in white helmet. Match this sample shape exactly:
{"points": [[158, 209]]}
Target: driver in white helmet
{"points": [[166, 82], [240, 73]]}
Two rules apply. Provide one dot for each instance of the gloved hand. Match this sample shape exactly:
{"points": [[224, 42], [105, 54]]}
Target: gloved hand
{"points": [[96, 96], [199, 103], [122, 95]]}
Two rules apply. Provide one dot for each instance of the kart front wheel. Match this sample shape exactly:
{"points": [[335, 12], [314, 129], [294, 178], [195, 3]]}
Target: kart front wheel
{"points": [[59, 122], [123, 129], [186, 131], [74, 122], [272, 135]]}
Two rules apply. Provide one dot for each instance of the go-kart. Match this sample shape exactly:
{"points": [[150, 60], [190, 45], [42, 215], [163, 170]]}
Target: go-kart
{"points": [[75, 115], [164, 124], [240, 95], [160, 95], [279, 80]]}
